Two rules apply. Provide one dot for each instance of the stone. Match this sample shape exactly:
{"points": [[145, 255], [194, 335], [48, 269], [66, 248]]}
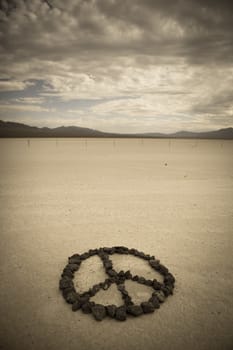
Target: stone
{"points": [[84, 298], [147, 257], [141, 280], [154, 263], [99, 312], [76, 306], [108, 265], [65, 282], [156, 285], [67, 291], [135, 310], [169, 279], [75, 259], [68, 273], [121, 313], [163, 269], [105, 285], [169, 288], [128, 274], [135, 278], [147, 307], [149, 283], [166, 291], [121, 287], [121, 274], [96, 288], [84, 256], [127, 300], [160, 295], [112, 273], [87, 307], [92, 252], [155, 301], [71, 297], [111, 310], [72, 267]]}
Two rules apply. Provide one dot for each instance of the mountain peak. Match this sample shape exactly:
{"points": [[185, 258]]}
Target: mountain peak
{"points": [[14, 129]]}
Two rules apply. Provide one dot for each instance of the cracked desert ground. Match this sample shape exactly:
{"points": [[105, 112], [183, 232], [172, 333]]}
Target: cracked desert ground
{"points": [[168, 198]]}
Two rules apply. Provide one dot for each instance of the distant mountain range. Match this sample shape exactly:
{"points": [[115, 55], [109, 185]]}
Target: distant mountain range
{"points": [[11, 129]]}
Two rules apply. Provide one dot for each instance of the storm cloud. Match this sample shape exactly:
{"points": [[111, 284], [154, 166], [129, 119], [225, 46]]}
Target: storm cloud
{"points": [[117, 65]]}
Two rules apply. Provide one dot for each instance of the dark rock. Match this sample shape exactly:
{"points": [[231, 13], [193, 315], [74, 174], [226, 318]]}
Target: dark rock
{"points": [[71, 297], [76, 306], [108, 265], [75, 259], [155, 301], [160, 295], [84, 298], [92, 252], [72, 267], [65, 282], [135, 278], [141, 255], [121, 250], [112, 273], [99, 312], [166, 291], [85, 256], [169, 279], [156, 285], [141, 280], [121, 287], [121, 274], [105, 285], [147, 257], [121, 313], [132, 251], [107, 250], [155, 264], [163, 269], [135, 310], [128, 274], [127, 300], [148, 283], [111, 310], [68, 273], [96, 288], [147, 307], [67, 291], [87, 307], [169, 288], [91, 292]]}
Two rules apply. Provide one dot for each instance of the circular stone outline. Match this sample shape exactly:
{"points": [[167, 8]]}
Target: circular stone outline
{"points": [[82, 301]]}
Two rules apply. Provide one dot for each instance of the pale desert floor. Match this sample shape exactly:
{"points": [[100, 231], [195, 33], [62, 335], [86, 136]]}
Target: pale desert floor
{"points": [[67, 196]]}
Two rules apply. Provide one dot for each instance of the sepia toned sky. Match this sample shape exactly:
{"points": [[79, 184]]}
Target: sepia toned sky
{"points": [[117, 65]]}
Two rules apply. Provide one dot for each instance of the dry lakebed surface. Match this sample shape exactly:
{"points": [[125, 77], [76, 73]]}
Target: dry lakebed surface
{"points": [[172, 199]]}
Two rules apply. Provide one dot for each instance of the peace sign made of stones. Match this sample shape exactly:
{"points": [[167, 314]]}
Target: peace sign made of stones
{"points": [[82, 301]]}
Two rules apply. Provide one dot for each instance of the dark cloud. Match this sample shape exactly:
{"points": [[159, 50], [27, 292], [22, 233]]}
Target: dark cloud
{"points": [[199, 31], [110, 49]]}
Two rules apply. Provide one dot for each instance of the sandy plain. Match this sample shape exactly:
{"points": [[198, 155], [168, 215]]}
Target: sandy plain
{"points": [[169, 198]]}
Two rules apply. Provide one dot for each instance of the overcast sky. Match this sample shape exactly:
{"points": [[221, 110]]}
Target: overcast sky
{"points": [[117, 65]]}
